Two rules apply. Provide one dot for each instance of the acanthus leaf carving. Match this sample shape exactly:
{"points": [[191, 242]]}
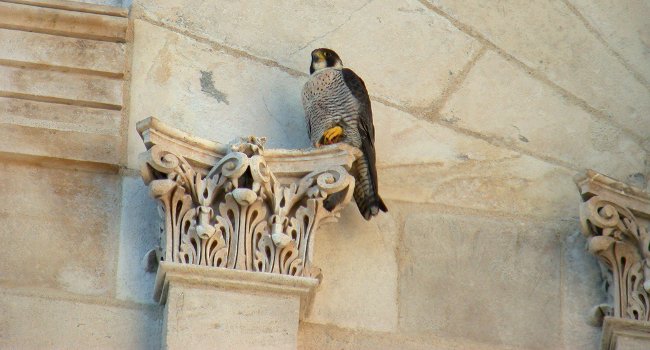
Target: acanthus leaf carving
{"points": [[622, 244], [237, 214]]}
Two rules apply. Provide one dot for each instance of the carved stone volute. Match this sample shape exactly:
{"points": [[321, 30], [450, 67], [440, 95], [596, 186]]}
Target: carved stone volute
{"points": [[225, 206], [614, 219]]}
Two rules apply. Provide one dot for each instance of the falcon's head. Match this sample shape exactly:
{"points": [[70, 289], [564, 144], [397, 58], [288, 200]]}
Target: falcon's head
{"points": [[324, 58]]}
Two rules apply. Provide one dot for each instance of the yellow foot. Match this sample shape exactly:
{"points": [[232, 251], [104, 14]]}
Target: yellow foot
{"points": [[332, 135]]}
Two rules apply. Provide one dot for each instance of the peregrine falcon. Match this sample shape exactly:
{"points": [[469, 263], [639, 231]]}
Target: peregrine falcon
{"points": [[337, 109]]}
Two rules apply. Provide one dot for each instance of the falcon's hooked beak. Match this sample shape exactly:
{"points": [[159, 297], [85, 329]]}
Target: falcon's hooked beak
{"points": [[324, 58]]}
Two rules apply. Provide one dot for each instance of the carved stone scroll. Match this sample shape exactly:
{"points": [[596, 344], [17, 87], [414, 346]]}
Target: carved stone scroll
{"points": [[616, 234], [236, 213]]}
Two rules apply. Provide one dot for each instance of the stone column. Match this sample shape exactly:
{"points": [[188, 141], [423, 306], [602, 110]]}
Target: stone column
{"points": [[234, 265], [614, 218], [230, 309]]}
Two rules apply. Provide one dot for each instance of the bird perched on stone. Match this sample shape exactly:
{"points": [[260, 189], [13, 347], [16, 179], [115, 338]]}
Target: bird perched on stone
{"points": [[337, 109]]}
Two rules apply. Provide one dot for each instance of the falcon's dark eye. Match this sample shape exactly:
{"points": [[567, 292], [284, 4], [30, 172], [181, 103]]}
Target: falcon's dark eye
{"points": [[326, 53]]}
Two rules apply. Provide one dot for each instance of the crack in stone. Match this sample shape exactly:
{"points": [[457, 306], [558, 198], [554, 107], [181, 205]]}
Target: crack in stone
{"points": [[332, 30]]}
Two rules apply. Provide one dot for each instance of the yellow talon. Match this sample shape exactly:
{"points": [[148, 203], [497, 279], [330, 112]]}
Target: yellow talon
{"points": [[332, 135]]}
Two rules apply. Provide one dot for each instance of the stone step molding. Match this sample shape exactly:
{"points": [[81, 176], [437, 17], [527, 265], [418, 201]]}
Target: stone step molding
{"points": [[237, 224], [615, 219], [62, 86]]}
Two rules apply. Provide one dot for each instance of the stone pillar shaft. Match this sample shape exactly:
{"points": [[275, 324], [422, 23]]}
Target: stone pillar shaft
{"points": [[230, 309]]}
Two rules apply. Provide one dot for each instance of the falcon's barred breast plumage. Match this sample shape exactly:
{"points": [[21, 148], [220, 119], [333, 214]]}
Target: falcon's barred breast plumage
{"points": [[337, 109]]}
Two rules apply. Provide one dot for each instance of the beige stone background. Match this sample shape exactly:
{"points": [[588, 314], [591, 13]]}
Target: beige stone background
{"points": [[484, 111]]}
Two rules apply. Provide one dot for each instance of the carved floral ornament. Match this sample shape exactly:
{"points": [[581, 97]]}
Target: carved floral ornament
{"points": [[237, 214], [621, 242]]}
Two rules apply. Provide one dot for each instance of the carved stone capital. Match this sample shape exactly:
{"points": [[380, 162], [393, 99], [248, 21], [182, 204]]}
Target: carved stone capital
{"points": [[614, 218], [239, 206]]}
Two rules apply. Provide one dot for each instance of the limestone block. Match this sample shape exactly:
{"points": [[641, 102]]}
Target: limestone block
{"points": [[60, 117], [529, 114], [66, 22], [381, 40], [548, 37], [582, 290], [209, 93], [624, 26], [512, 184], [464, 171], [625, 334], [60, 227], [632, 343], [115, 8], [42, 49], [326, 337], [45, 142], [357, 259], [43, 322], [480, 279], [70, 88], [268, 323], [230, 309], [139, 233]]}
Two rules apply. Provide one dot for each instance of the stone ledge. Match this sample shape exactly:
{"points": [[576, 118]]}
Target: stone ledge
{"points": [[76, 6], [591, 183], [623, 334], [205, 153], [55, 21], [229, 279]]}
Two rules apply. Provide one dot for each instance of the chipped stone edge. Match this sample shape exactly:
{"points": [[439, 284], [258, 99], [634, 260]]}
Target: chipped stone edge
{"points": [[614, 328], [229, 279], [591, 183], [75, 6], [204, 153]]}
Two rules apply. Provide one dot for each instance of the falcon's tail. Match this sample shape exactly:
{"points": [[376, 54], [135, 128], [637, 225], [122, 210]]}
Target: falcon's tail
{"points": [[365, 190]]}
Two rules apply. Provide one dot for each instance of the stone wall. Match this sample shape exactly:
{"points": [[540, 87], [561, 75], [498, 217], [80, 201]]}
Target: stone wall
{"points": [[484, 111]]}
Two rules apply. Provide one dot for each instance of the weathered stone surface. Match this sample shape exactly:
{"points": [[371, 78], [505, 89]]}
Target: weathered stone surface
{"points": [[548, 37], [43, 322], [480, 279], [429, 163], [625, 334], [624, 26], [359, 267], [528, 114], [139, 233], [582, 289], [116, 3], [325, 337], [53, 143], [49, 50], [103, 7], [211, 94], [632, 343], [60, 227], [79, 89], [59, 117], [352, 28], [62, 22], [195, 317]]}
